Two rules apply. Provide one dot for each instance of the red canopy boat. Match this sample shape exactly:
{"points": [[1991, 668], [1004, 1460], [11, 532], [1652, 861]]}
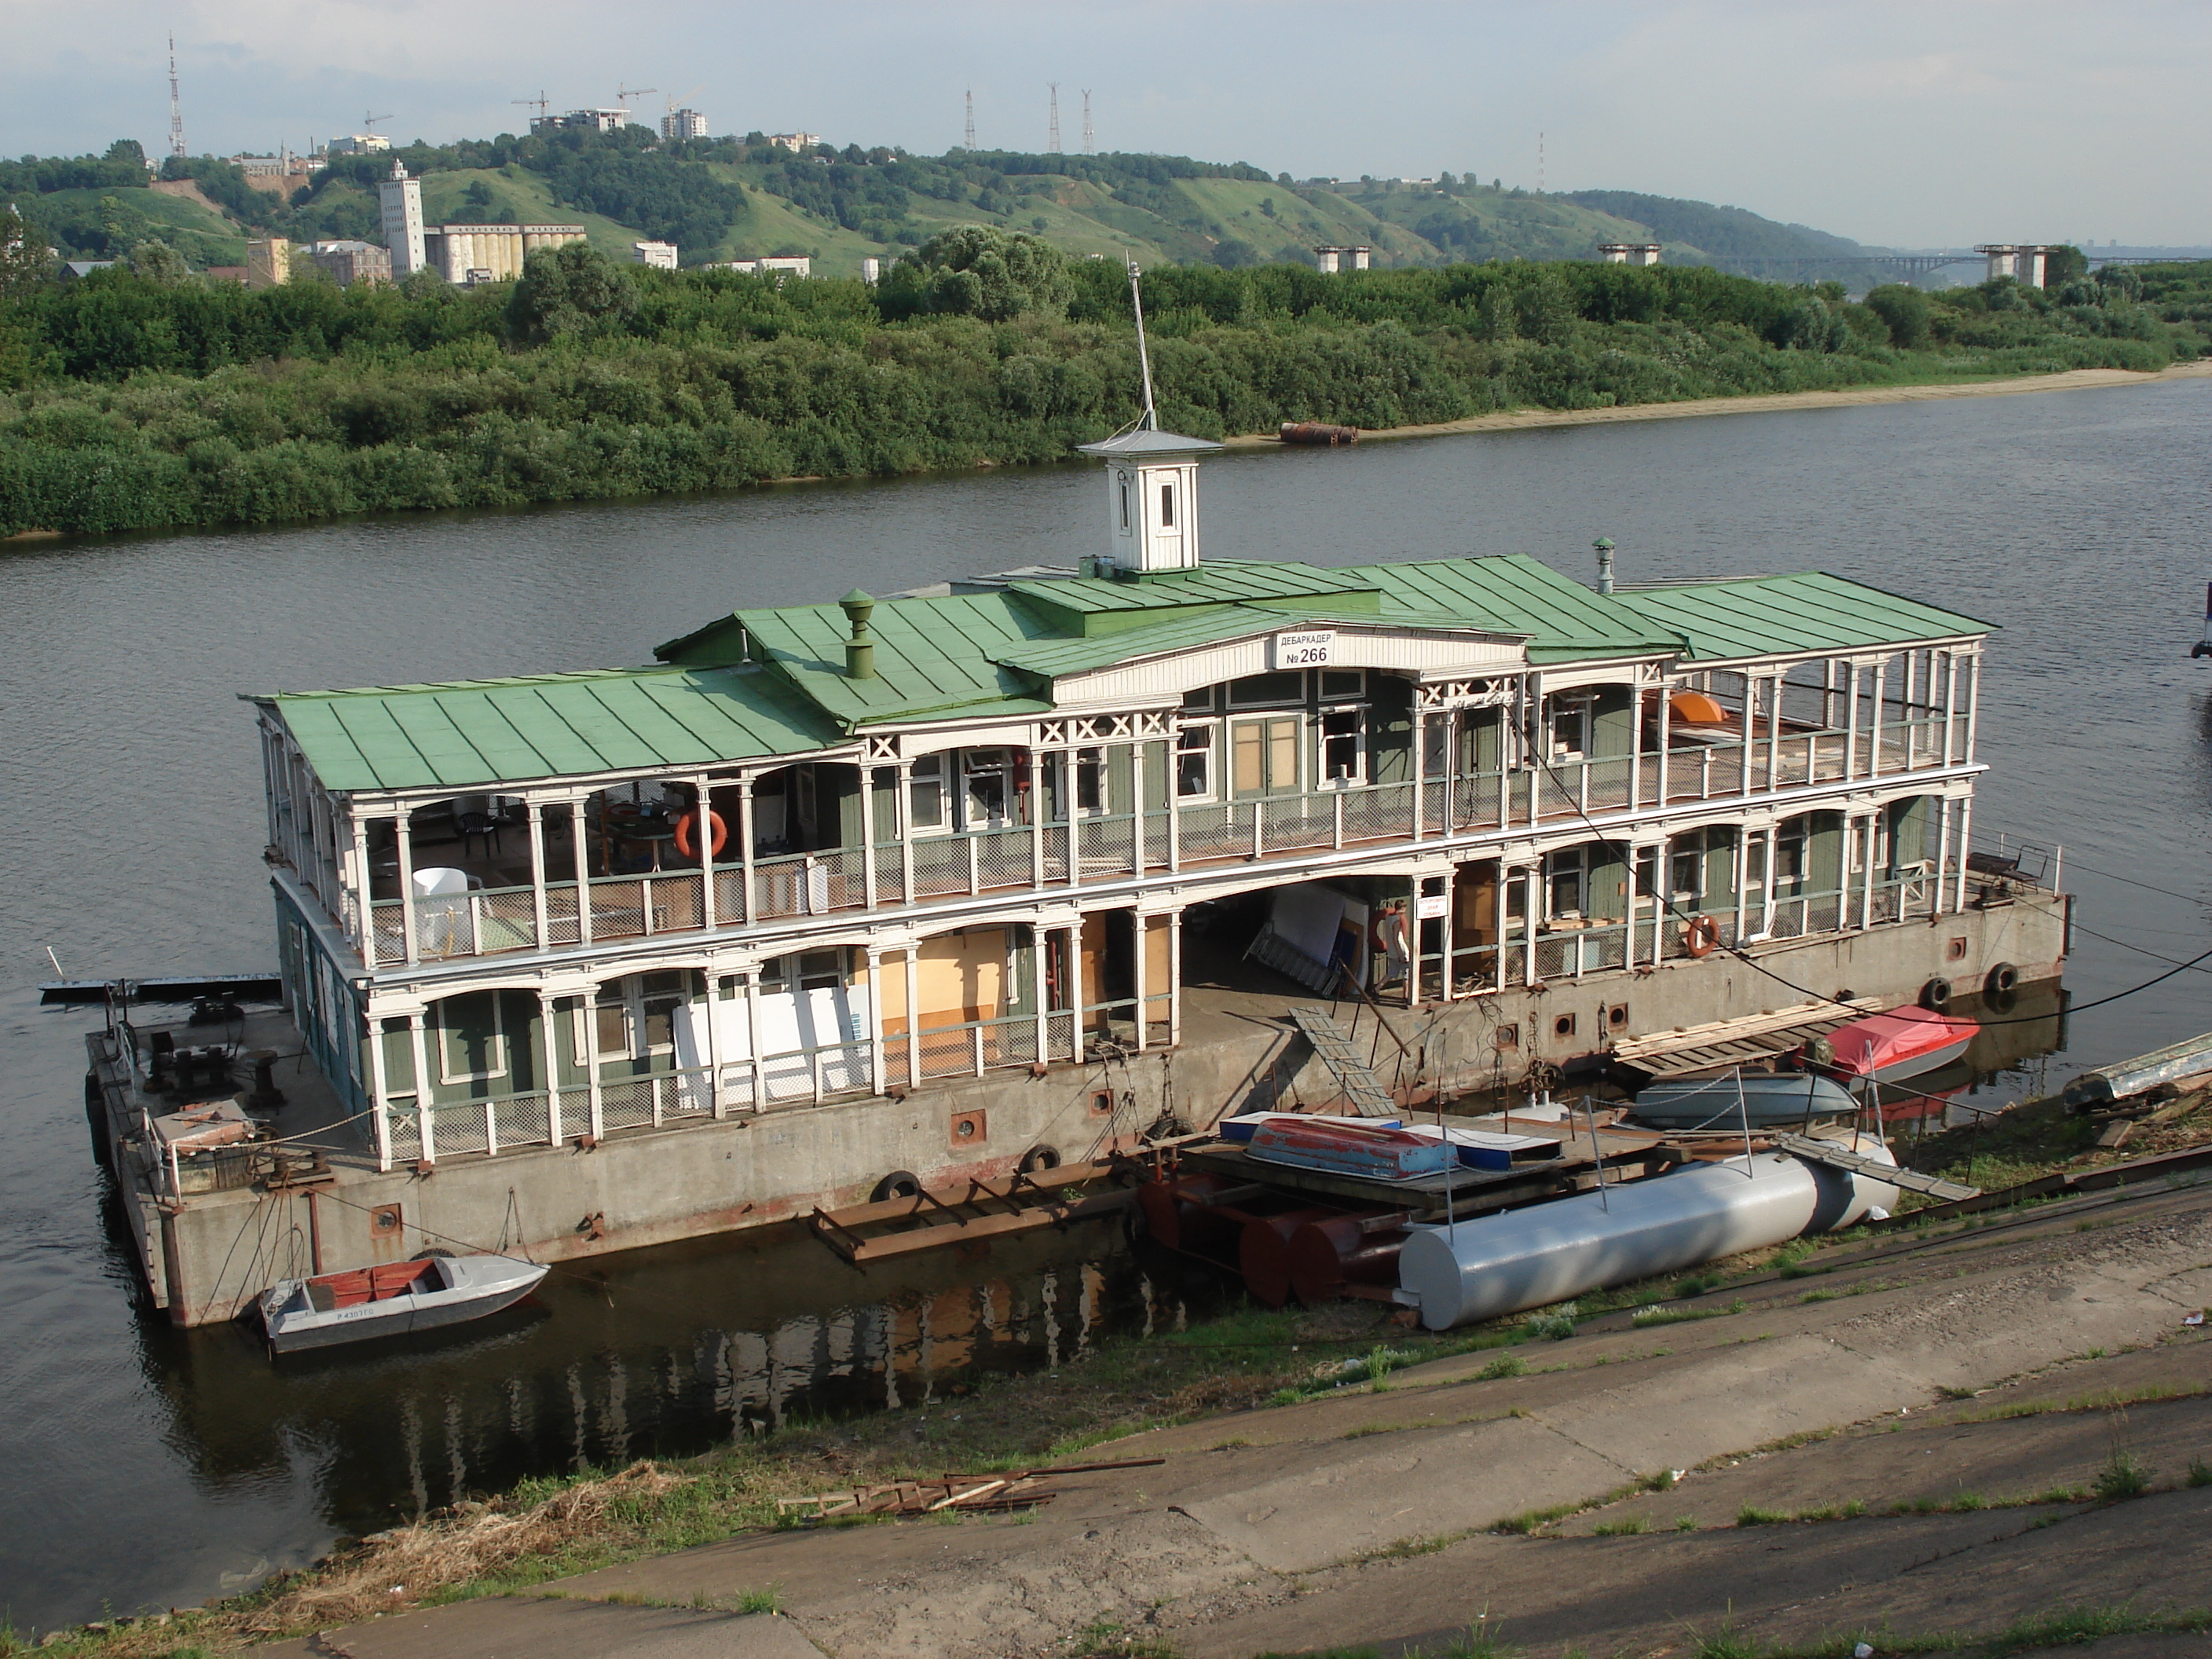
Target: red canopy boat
{"points": [[1901, 1043]]}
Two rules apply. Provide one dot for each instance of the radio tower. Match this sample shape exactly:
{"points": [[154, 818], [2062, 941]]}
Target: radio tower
{"points": [[1051, 134], [972, 118], [176, 109], [1088, 148]]}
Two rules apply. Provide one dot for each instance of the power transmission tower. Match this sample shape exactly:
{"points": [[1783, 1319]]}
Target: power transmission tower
{"points": [[969, 142], [1051, 134], [1088, 148], [176, 109]]}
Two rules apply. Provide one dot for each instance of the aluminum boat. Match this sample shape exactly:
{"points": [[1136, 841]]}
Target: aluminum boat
{"points": [[391, 1298], [1768, 1099]]}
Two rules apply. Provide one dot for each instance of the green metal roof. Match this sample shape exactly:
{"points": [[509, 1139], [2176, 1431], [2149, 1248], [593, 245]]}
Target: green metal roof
{"points": [[486, 732], [1768, 616], [1227, 582], [996, 654], [1512, 593], [931, 656]]}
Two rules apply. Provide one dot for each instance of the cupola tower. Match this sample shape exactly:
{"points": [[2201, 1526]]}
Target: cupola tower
{"points": [[1151, 484]]}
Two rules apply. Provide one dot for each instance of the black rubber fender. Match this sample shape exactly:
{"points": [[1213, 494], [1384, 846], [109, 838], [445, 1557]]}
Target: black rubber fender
{"points": [[899, 1183], [1936, 995], [1039, 1159], [2001, 980]]}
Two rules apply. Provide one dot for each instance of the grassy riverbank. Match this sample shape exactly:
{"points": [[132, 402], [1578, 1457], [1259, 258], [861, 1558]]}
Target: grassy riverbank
{"points": [[133, 403]]}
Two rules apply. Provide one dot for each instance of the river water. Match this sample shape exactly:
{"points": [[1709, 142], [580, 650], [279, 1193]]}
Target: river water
{"points": [[143, 1466]]}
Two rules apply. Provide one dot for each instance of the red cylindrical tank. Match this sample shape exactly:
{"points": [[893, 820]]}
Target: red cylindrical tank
{"points": [[1263, 1253], [1315, 431], [1179, 1214], [1327, 1254]]}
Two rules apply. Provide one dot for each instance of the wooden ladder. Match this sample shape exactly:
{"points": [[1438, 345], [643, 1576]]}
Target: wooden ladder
{"points": [[1827, 1152], [1367, 1094]]}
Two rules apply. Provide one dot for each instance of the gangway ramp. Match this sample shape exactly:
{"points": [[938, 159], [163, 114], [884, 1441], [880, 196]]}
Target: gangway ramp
{"points": [[1361, 1088], [1841, 1158]]}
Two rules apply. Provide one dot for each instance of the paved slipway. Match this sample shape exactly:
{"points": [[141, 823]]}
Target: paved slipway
{"points": [[1366, 1518]]}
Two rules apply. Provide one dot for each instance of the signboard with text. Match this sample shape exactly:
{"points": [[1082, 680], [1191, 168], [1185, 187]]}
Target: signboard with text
{"points": [[1309, 648]]}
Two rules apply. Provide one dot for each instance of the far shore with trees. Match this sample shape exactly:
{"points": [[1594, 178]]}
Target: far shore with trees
{"points": [[142, 396]]}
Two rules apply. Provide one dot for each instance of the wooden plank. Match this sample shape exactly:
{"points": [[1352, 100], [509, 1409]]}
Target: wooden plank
{"points": [[1633, 1049], [944, 1233], [908, 1209]]}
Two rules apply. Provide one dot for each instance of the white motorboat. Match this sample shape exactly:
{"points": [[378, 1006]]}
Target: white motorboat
{"points": [[391, 1298]]}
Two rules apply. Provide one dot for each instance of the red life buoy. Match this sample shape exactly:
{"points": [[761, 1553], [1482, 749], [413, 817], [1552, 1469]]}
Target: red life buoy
{"points": [[1699, 937], [685, 828]]}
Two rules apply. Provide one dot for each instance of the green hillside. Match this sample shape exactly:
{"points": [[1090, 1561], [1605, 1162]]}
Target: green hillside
{"points": [[731, 198], [105, 224]]}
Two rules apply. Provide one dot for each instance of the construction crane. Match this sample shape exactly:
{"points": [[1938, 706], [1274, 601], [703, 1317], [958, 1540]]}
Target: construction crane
{"points": [[369, 122], [683, 97], [623, 95], [541, 103]]}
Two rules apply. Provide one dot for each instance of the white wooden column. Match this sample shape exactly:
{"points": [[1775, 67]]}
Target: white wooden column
{"points": [[1420, 792], [1144, 947], [1850, 721], [540, 908], [703, 826], [404, 839], [1038, 994], [550, 1040], [364, 890], [425, 1113], [1666, 728], [713, 1045], [1950, 700], [868, 832], [1774, 737], [1874, 740], [1973, 704], [1742, 878], [1174, 978], [751, 906], [1750, 728], [1965, 851], [1942, 850], [579, 833], [595, 1089], [1037, 796], [1137, 805], [753, 1036], [914, 1014], [902, 816], [1628, 932], [1075, 995], [380, 1095], [875, 960]]}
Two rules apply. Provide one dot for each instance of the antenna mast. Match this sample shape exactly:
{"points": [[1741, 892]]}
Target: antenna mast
{"points": [[1088, 148], [970, 142], [1052, 135], [176, 109], [1151, 423]]}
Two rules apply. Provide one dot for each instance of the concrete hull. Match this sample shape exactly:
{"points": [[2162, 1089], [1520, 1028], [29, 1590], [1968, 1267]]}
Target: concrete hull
{"points": [[653, 1187]]}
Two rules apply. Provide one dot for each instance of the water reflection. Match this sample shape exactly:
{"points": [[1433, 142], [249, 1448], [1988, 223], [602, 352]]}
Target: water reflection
{"points": [[650, 1354]]}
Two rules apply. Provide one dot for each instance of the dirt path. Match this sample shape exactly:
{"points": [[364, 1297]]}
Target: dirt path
{"points": [[2072, 380], [1946, 1401]]}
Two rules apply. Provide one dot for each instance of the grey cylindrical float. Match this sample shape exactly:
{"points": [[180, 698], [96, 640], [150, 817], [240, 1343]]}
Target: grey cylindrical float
{"points": [[1527, 1258]]}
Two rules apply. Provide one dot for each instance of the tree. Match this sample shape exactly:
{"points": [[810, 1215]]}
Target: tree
{"points": [[157, 262], [126, 149], [2062, 264], [1904, 309], [567, 289], [25, 258], [978, 271]]}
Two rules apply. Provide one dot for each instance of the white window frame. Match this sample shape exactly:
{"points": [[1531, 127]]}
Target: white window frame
{"points": [[934, 779], [970, 771], [1208, 752], [1293, 699], [1357, 775]]}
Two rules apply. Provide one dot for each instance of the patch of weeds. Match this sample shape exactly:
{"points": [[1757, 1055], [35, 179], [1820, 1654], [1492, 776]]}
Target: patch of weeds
{"points": [[759, 1600], [1656, 1315], [1406, 1549], [1662, 1481], [2123, 1476], [1366, 1428], [1751, 1516], [1532, 1520], [1686, 1524], [1695, 1284], [1104, 1639], [1820, 1296], [2200, 1472], [1628, 1526], [1228, 1445], [1507, 1363], [2103, 1399], [1557, 1326], [1965, 1503]]}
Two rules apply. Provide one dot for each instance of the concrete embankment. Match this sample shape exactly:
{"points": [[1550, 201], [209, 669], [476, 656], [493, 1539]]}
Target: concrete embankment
{"points": [[1913, 1440], [2073, 379]]}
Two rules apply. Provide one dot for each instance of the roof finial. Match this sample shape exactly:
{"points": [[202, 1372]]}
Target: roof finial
{"points": [[1151, 423]]}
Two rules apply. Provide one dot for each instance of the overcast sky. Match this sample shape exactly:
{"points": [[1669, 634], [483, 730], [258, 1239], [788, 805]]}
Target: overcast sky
{"points": [[1930, 124]]}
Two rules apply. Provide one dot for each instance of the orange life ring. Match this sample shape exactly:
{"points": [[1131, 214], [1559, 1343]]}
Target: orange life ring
{"points": [[684, 826], [1699, 937]]}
